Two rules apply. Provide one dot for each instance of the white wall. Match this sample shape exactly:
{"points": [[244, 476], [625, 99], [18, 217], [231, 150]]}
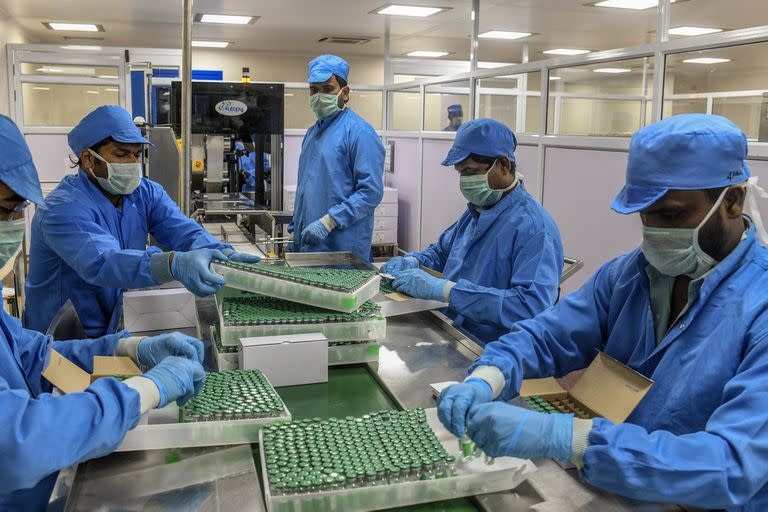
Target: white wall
{"points": [[10, 33], [281, 68]]}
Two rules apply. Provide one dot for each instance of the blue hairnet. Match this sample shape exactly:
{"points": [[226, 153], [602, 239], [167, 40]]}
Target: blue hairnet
{"points": [[455, 109], [682, 152], [107, 121], [484, 137], [321, 68], [17, 170]]}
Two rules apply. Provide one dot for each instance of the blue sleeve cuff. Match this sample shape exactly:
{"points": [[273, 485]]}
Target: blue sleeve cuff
{"points": [[160, 267]]}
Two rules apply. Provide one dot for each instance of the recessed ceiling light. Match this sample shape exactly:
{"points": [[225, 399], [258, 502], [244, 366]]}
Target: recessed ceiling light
{"points": [[693, 31], [706, 60], [408, 10], [108, 76], [493, 65], [111, 89], [504, 34], [565, 51], [91, 92], [42, 88], [81, 47], [76, 27], [637, 5], [555, 78], [612, 71], [210, 44], [225, 18], [288, 94], [426, 53]]}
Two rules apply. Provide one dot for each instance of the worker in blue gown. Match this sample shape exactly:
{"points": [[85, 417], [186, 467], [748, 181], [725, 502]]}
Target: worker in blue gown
{"points": [[688, 309], [41, 433], [455, 118], [246, 161], [503, 257], [341, 169], [89, 240]]}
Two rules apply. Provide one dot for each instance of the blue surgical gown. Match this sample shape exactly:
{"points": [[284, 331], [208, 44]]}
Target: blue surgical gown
{"points": [[85, 249], [506, 262], [40, 433], [248, 166], [341, 173], [700, 436]]}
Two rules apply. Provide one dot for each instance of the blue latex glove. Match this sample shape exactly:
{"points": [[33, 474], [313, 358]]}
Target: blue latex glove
{"points": [[314, 234], [398, 264], [290, 227], [417, 283], [454, 403], [241, 257], [177, 378], [502, 429], [193, 270], [151, 351]]}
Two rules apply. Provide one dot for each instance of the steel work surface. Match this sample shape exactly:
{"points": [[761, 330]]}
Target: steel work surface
{"points": [[353, 391]]}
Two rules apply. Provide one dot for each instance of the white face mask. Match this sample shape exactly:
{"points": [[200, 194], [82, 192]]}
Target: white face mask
{"points": [[676, 251], [122, 178]]}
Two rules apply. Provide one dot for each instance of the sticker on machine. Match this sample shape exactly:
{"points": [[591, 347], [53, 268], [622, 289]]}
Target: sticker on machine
{"points": [[231, 108]]}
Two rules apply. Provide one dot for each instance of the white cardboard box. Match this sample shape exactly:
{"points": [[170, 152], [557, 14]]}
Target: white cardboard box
{"points": [[287, 360], [160, 309]]}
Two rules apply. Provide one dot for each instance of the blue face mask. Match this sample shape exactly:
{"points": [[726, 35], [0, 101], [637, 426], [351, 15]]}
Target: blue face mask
{"points": [[676, 251]]}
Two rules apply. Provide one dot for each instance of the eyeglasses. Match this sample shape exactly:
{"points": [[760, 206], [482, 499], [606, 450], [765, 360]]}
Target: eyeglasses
{"points": [[7, 211]]}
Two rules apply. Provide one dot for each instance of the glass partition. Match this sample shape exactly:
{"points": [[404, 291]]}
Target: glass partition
{"points": [[64, 104], [728, 81], [446, 106], [513, 99], [608, 99], [405, 110], [367, 104]]}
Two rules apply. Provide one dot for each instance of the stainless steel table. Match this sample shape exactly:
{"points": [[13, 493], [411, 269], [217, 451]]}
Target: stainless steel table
{"points": [[419, 349]]}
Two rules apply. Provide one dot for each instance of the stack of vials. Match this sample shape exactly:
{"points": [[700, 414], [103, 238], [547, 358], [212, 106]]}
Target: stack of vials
{"points": [[382, 448]]}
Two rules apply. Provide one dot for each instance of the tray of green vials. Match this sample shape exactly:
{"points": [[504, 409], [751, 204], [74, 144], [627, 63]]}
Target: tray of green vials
{"points": [[257, 315], [343, 290], [381, 460], [234, 395]]}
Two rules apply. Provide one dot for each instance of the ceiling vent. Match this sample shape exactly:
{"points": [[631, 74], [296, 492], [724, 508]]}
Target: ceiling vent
{"points": [[344, 40]]}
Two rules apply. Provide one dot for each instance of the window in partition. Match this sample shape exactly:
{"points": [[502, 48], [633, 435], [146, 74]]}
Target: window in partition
{"points": [[64, 104], [513, 99], [297, 111], [445, 104], [405, 110], [606, 99], [367, 104], [729, 81]]}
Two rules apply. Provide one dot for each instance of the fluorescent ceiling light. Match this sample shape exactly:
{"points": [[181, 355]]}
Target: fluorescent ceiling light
{"points": [[637, 5], [81, 47], [76, 27], [111, 89], [565, 51], [225, 18], [426, 53], [210, 44], [91, 92], [504, 34], [555, 78], [42, 88], [107, 76], [706, 60], [408, 10], [289, 94], [493, 65], [612, 71], [693, 31]]}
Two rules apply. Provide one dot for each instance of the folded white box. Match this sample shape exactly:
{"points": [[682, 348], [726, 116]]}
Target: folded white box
{"points": [[287, 360], [159, 309]]}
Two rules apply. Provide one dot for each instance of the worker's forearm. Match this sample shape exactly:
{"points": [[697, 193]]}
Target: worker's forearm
{"points": [[81, 352], [160, 267], [149, 394]]}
